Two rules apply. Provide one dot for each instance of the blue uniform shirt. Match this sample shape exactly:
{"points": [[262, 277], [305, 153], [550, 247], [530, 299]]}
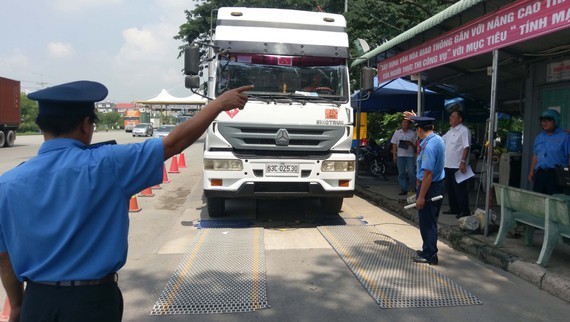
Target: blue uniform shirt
{"points": [[552, 150], [431, 157], [64, 213]]}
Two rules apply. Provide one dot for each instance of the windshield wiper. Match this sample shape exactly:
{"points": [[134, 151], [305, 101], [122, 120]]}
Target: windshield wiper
{"points": [[315, 98], [254, 97], [269, 97]]}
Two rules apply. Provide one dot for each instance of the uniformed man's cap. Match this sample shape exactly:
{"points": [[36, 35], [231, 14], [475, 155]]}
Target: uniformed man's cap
{"points": [[422, 121], [75, 98]]}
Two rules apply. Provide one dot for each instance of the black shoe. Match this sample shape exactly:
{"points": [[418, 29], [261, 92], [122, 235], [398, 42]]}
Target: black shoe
{"points": [[421, 260], [403, 192], [450, 212], [419, 252]]}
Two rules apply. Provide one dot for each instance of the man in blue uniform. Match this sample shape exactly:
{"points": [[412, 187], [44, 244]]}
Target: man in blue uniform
{"points": [[64, 233], [430, 174], [551, 149]]}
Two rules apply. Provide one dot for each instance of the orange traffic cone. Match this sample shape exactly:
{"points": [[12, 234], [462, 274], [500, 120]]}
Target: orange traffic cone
{"points": [[182, 161], [156, 187], [5, 314], [164, 175], [174, 165], [134, 205], [147, 192]]}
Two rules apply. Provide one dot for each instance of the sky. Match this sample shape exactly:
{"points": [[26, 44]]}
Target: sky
{"points": [[127, 45]]}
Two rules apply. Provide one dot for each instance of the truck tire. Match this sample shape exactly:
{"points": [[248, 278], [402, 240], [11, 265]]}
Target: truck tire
{"points": [[216, 207], [2, 138], [10, 139], [331, 205]]}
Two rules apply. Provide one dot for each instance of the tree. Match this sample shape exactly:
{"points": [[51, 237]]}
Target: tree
{"points": [[109, 119], [28, 114]]}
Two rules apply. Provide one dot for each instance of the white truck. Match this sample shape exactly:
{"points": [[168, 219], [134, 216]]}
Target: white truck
{"points": [[293, 137]]}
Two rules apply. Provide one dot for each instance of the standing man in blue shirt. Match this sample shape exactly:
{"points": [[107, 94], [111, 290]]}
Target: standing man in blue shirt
{"points": [[430, 175], [65, 232], [551, 149]]}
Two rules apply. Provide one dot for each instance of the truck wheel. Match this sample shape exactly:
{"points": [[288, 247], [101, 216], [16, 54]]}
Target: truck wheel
{"points": [[216, 207], [331, 205], [10, 138], [2, 138]]}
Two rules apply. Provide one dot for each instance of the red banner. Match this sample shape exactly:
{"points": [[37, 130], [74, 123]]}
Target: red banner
{"points": [[519, 21]]}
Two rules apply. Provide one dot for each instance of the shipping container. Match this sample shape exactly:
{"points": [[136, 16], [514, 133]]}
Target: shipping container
{"points": [[9, 111]]}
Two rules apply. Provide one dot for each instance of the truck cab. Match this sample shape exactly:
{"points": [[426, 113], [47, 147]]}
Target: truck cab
{"points": [[293, 137]]}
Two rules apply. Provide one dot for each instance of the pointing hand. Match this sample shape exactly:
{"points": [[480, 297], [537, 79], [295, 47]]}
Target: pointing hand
{"points": [[235, 98]]}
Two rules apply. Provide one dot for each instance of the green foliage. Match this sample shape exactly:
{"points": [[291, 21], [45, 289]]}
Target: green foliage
{"points": [[111, 120], [379, 21], [381, 126], [505, 126], [28, 114], [168, 119]]}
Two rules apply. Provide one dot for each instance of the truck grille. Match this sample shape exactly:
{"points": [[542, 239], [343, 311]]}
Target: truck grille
{"points": [[292, 138]]}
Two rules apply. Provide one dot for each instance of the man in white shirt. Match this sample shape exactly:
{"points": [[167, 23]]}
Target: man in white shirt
{"points": [[457, 144], [403, 147]]}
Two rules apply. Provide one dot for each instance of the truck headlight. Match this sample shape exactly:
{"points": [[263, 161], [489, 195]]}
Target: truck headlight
{"points": [[337, 166], [223, 165]]}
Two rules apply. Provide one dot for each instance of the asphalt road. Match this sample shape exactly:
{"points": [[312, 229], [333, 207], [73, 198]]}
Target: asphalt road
{"points": [[306, 279]]}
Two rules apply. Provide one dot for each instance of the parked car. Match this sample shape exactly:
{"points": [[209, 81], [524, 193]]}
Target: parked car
{"points": [[143, 129], [163, 131]]}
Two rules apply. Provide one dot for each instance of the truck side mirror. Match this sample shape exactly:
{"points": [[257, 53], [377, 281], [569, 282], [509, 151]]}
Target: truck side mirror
{"points": [[192, 81], [367, 80], [191, 60]]}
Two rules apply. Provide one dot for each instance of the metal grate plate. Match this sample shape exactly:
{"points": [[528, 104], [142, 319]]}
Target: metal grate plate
{"points": [[384, 267], [223, 272]]}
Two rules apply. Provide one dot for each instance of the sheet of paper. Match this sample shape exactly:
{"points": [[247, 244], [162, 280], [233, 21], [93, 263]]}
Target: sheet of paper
{"points": [[460, 176]]}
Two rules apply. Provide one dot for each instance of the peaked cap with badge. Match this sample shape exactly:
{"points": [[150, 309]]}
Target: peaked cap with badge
{"points": [[75, 98]]}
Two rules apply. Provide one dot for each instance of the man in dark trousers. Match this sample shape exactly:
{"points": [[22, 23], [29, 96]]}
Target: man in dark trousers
{"points": [[430, 174], [65, 232], [457, 146], [551, 149]]}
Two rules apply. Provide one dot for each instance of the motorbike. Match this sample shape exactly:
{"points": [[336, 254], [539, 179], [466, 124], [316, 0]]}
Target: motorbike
{"points": [[372, 159], [376, 159]]}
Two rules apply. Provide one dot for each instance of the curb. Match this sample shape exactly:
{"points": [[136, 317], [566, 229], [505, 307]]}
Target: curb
{"points": [[554, 284]]}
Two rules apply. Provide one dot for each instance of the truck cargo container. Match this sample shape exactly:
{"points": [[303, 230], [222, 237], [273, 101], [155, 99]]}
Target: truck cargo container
{"points": [[9, 111]]}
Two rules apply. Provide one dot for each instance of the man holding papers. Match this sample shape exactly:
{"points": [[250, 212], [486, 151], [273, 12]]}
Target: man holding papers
{"points": [[457, 145]]}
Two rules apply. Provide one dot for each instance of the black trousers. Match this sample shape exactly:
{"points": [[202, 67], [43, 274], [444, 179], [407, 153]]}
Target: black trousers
{"points": [[456, 193], [94, 303], [545, 182], [428, 217]]}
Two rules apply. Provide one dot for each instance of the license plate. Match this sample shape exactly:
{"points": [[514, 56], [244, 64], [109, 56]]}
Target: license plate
{"points": [[281, 169]]}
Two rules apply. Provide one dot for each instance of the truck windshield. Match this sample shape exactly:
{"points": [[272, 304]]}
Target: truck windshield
{"points": [[284, 76]]}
